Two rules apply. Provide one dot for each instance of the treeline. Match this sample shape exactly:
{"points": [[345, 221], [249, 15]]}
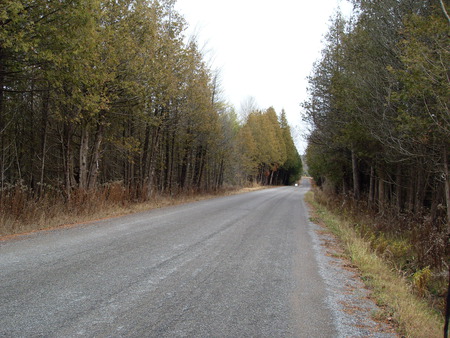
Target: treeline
{"points": [[270, 156], [96, 91], [379, 109]]}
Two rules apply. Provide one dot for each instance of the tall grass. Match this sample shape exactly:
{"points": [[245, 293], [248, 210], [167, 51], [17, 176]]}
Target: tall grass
{"points": [[415, 246], [23, 210], [393, 291]]}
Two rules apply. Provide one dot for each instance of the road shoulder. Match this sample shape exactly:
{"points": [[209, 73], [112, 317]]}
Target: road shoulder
{"points": [[347, 297]]}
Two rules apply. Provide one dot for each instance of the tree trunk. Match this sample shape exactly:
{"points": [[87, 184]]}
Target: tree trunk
{"points": [[371, 185], [447, 186], [200, 166], [31, 144], [277, 173], [356, 185], [381, 190], [271, 177], [184, 168], [167, 167], [145, 156], [399, 189], [95, 162], [447, 307], [2, 123], [220, 176], [84, 152], [68, 158], [44, 124], [411, 189], [152, 165], [190, 168], [422, 181], [172, 172]]}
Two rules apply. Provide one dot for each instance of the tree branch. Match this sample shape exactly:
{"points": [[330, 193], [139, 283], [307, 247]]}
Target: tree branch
{"points": [[444, 10]]}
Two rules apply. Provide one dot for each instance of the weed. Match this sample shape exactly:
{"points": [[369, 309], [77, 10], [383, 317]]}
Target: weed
{"points": [[23, 210], [421, 280], [408, 243], [368, 250]]}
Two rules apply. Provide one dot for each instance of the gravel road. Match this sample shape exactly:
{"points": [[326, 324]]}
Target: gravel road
{"points": [[248, 265]]}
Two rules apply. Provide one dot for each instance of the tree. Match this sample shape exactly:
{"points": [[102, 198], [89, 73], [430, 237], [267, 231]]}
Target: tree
{"points": [[267, 146], [378, 108], [291, 169], [112, 92], [422, 101]]}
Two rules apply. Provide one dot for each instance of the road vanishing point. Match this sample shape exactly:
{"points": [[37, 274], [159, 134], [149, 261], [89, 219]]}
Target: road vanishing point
{"points": [[238, 266]]}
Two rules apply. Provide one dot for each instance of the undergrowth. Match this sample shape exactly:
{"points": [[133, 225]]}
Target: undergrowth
{"points": [[410, 294], [23, 210], [412, 245]]}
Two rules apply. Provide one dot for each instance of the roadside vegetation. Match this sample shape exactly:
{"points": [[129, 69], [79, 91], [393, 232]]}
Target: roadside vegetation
{"points": [[27, 214], [412, 302], [108, 103], [379, 146]]}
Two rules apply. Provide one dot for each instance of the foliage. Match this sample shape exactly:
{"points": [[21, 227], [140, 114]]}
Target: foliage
{"points": [[270, 154], [378, 110], [421, 280], [98, 91]]}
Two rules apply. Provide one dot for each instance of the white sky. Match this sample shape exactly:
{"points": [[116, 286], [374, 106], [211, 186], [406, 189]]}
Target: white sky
{"points": [[264, 49]]}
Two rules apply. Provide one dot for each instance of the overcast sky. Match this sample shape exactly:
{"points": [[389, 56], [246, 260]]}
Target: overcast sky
{"points": [[264, 48]]}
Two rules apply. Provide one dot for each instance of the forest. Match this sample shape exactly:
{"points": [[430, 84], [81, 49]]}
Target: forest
{"points": [[97, 94], [378, 108]]}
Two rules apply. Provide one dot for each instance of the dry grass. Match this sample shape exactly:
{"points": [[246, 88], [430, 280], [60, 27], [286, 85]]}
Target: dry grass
{"points": [[21, 212], [392, 293]]}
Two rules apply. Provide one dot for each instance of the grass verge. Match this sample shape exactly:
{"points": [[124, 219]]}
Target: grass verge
{"points": [[414, 318]]}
